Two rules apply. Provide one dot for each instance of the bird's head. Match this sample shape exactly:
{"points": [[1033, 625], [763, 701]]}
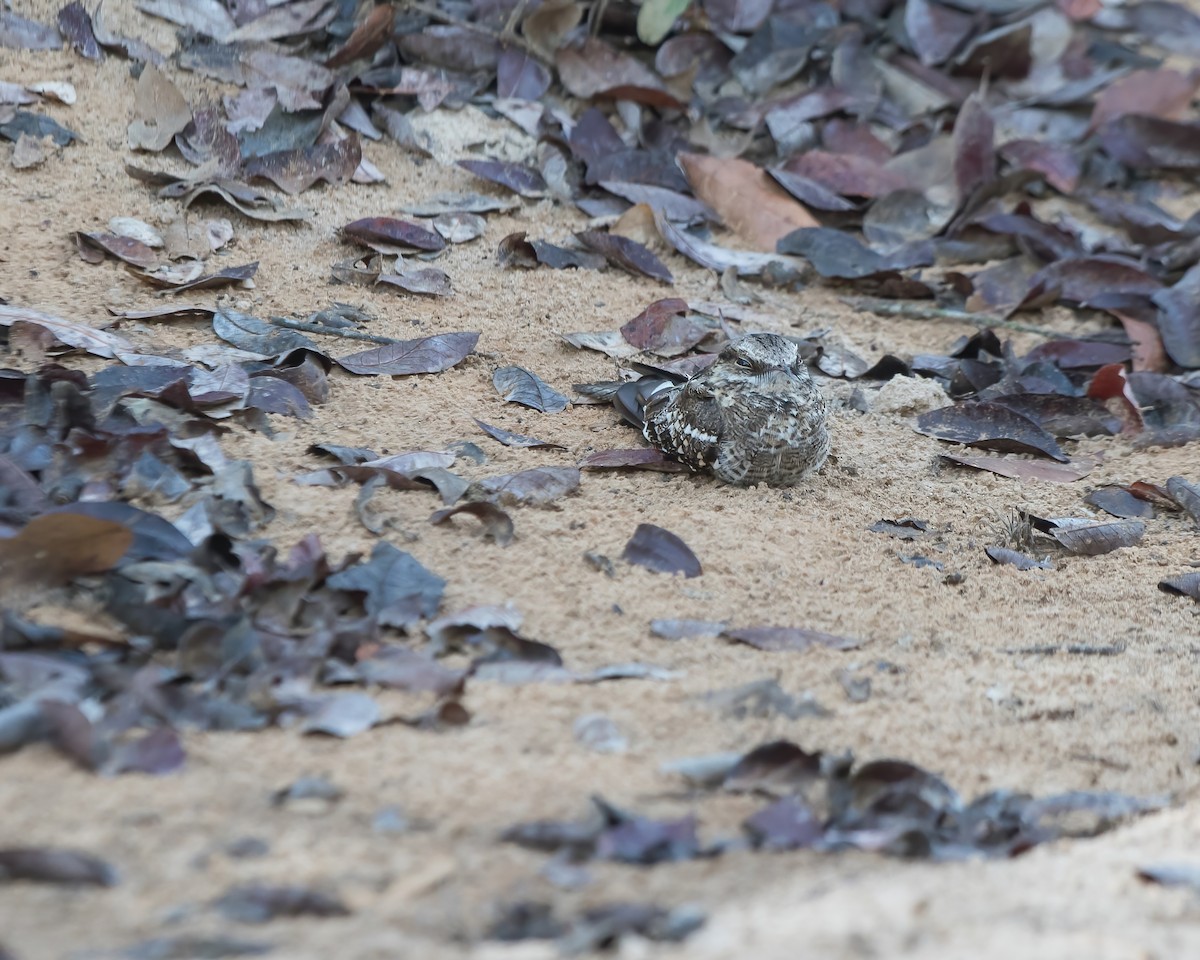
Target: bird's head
{"points": [[765, 360]]}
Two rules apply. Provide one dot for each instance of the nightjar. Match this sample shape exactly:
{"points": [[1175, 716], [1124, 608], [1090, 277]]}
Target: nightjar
{"points": [[753, 416]]}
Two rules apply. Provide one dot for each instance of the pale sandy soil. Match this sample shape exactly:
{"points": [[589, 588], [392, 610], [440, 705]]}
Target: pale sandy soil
{"points": [[956, 699]]}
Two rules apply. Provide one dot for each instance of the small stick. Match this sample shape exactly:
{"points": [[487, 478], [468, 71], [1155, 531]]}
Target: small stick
{"points": [[916, 310], [330, 331], [504, 36]]}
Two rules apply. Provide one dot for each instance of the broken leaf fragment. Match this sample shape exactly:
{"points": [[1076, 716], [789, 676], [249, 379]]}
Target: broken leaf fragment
{"points": [[661, 550]]}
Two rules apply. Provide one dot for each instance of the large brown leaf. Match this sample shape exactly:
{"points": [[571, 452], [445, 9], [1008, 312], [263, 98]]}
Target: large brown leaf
{"points": [[749, 202]]}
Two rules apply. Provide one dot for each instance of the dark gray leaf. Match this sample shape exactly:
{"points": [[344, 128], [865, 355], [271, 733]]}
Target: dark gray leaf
{"points": [[1186, 585], [517, 177], [991, 426], [1014, 558], [518, 385], [540, 486], [399, 590], [510, 439], [343, 715], [260, 904], [249, 333], [51, 865], [424, 355], [660, 550], [789, 638], [1092, 538]]}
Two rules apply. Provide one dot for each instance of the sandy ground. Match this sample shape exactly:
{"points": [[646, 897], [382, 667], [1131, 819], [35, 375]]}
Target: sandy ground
{"points": [[948, 692]]}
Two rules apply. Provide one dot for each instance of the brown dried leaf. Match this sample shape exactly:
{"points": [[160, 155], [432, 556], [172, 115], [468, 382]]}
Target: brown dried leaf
{"points": [[497, 525], [367, 38], [93, 246], [160, 111], [639, 458], [746, 199], [1162, 93], [100, 343], [594, 69], [1017, 469], [53, 548]]}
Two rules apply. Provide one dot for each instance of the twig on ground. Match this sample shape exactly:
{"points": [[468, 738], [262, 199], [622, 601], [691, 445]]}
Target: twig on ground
{"points": [[918, 310], [330, 331]]}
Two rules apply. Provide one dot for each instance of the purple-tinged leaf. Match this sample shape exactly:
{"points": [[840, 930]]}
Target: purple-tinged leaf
{"points": [[521, 76], [936, 32], [389, 235], [520, 179], [974, 147], [1179, 319], [628, 254], [787, 824], [157, 752], [638, 458], [778, 768], [76, 25]]}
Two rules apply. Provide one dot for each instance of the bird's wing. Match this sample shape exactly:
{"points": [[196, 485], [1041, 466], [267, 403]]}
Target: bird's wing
{"points": [[686, 424]]}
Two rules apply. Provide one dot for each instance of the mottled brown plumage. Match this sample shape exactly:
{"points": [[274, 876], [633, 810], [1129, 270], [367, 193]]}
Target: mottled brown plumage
{"points": [[753, 416]]}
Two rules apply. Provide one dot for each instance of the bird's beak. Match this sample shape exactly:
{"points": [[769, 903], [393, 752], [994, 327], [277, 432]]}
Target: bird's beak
{"points": [[783, 377]]}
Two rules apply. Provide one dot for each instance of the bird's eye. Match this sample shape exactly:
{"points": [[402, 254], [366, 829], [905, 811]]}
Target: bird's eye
{"points": [[743, 362]]}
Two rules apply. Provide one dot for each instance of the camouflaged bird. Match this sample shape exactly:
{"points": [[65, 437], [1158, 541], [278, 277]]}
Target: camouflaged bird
{"points": [[753, 416]]}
